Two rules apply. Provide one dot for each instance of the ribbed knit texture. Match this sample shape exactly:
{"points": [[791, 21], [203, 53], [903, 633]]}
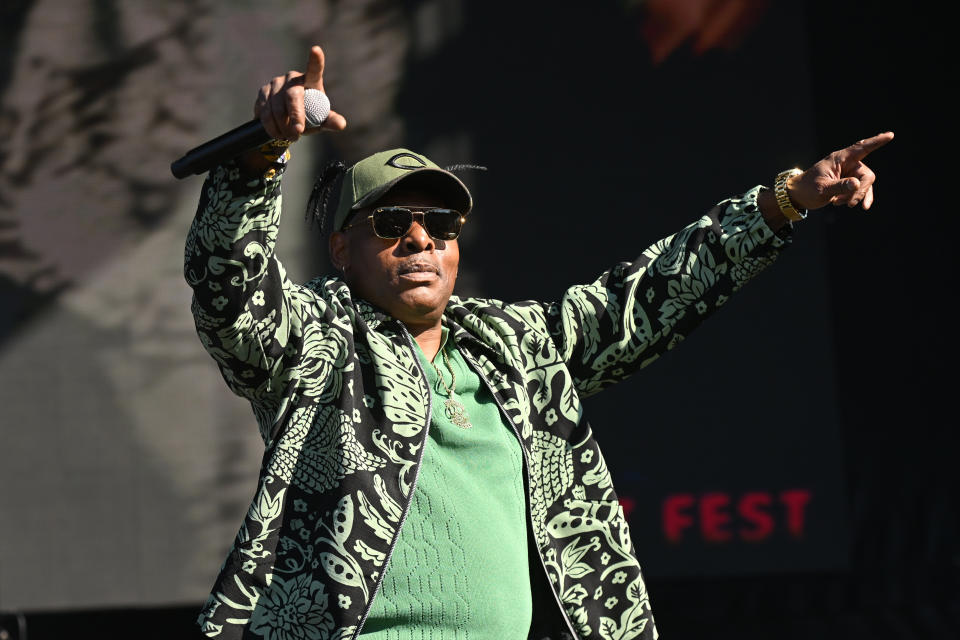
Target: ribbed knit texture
{"points": [[460, 566]]}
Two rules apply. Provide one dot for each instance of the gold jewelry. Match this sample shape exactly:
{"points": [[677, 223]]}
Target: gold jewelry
{"points": [[783, 198], [453, 408], [276, 152]]}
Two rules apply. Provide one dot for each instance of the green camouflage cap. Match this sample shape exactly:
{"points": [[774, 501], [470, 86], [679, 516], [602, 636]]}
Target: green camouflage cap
{"points": [[367, 181]]}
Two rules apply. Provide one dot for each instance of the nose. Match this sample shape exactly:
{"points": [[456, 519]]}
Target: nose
{"points": [[417, 239]]}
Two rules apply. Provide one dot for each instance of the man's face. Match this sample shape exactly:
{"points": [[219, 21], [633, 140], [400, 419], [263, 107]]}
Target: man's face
{"points": [[410, 277]]}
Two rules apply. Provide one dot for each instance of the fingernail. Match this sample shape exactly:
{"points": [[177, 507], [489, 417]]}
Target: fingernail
{"points": [[851, 186]]}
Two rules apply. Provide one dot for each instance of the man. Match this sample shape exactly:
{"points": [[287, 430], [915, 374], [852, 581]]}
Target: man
{"points": [[428, 471]]}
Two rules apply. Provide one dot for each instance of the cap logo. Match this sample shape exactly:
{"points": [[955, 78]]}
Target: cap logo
{"points": [[396, 162]]}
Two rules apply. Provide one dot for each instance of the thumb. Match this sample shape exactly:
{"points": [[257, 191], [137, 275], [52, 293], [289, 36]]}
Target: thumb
{"points": [[843, 187]]}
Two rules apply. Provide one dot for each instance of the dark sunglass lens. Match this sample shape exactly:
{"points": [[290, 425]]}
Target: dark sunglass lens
{"points": [[443, 224], [391, 222]]}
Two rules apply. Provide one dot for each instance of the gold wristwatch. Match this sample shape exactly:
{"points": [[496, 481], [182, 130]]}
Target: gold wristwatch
{"points": [[783, 198]]}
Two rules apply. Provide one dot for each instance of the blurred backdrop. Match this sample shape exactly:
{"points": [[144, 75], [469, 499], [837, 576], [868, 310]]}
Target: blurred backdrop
{"points": [[825, 507]]}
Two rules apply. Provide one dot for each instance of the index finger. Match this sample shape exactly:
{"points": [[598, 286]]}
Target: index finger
{"points": [[314, 75], [860, 150]]}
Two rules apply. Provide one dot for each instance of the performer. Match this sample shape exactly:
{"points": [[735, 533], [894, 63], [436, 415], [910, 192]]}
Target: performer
{"points": [[428, 469]]}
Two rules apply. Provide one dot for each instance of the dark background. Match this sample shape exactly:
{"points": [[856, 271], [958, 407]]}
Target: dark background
{"points": [[829, 373]]}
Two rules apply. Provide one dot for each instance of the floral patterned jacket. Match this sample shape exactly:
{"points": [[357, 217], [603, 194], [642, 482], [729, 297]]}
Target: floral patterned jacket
{"points": [[344, 409]]}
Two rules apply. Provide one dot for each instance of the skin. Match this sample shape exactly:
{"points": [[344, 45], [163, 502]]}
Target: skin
{"points": [[412, 277], [279, 107], [838, 179]]}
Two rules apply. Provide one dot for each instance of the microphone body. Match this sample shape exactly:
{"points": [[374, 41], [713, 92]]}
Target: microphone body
{"points": [[243, 138], [232, 143]]}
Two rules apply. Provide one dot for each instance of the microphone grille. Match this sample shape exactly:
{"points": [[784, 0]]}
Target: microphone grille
{"points": [[316, 104]]}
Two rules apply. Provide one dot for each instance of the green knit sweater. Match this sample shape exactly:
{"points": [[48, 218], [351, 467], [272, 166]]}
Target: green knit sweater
{"points": [[460, 566]]}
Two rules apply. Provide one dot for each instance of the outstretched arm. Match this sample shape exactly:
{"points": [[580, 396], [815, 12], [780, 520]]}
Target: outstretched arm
{"points": [[250, 317], [637, 311]]}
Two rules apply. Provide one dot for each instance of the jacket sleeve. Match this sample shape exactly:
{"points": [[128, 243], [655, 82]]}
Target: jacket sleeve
{"points": [[250, 317], [636, 311]]}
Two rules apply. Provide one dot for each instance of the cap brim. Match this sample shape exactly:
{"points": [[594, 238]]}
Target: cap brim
{"points": [[448, 186]]}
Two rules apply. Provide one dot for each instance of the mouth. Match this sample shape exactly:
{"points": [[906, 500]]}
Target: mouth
{"points": [[418, 267], [418, 271]]}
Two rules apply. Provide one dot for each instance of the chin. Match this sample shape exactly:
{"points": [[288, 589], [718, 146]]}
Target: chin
{"points": [[420, 308]]}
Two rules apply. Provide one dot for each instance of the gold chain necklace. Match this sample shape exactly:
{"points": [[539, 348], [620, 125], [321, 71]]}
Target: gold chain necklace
{"points": [[453, 408]]}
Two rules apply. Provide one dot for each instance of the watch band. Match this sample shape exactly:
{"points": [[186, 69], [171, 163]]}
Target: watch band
{"points": [[783, 198]]}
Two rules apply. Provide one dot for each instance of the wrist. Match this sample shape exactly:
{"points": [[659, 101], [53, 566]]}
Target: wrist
{"points": [[770, 210], [265, 160], [782, 191]]}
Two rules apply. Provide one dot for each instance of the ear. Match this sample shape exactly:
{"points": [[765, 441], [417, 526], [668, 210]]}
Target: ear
{"points": [[340, 250]]}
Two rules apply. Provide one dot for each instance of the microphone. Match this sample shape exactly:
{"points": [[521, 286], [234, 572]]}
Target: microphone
{"points": [[245, 137]]}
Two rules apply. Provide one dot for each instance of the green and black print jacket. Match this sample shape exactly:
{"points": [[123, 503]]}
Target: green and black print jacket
{"points": [[344, 409]]}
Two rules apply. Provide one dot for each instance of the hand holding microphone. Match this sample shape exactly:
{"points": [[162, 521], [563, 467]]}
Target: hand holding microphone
{"points": [[280, 103], [287, 107]]}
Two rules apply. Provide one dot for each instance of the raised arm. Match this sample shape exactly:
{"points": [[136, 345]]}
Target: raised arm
{"points": [[637, 311], [250, 317]]}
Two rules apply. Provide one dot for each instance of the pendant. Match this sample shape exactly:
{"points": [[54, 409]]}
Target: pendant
{"points": [[457, 413]]}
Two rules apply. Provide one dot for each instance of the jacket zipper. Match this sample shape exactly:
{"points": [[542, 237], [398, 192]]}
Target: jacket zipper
{"points": [[413, 484], [526, 463]]}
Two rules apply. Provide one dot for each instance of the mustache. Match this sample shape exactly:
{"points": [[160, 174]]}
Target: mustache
{"points": [[418, 265]]}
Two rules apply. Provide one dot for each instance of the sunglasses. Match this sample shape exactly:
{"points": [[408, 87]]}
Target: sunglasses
{"points": [[391, 223]]}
